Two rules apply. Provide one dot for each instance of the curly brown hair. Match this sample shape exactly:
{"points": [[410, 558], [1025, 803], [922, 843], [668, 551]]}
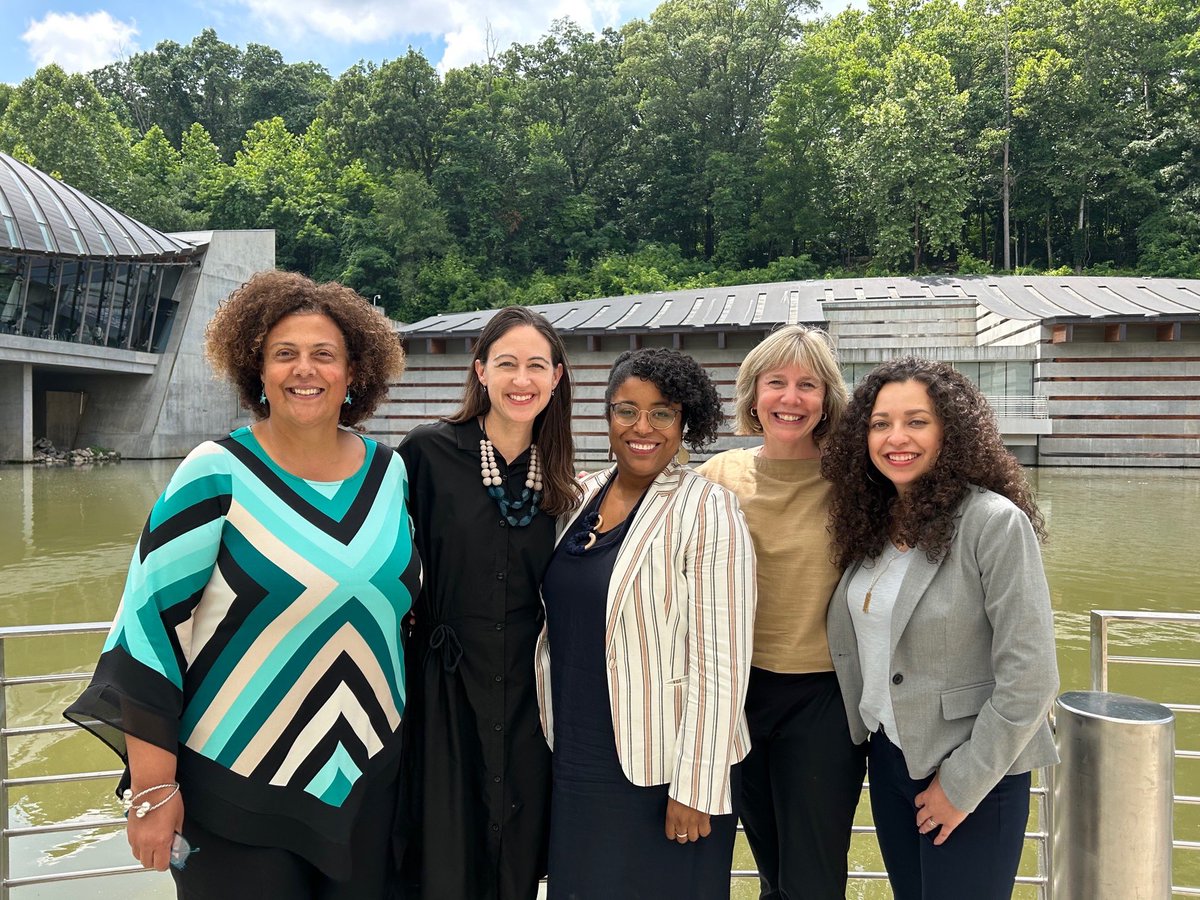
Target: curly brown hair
{"points": [[234, 338], [864, 510]]}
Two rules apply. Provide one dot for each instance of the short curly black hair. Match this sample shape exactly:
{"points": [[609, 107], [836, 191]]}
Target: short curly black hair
{"points": [[234, 337], [681, 380]]}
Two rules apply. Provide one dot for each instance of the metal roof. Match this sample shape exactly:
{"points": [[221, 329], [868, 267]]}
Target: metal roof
{"points": [[753, 306], [763, 306], [40, 214]]}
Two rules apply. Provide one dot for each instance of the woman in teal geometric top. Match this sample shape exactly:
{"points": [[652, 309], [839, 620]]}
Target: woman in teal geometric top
{"points": [[253, 678]]}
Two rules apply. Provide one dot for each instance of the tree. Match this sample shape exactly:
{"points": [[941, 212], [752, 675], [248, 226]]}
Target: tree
{"points": [[270, 87], [703, 72], [569, 83], [155, 194], [61, 124], [404, 231], [909, 157]]}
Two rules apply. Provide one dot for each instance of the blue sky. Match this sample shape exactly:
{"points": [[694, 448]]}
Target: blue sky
{"points": [[81, 35]]}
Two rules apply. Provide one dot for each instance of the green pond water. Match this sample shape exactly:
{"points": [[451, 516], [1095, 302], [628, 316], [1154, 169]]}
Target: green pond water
{"points": [[1120, 539]]}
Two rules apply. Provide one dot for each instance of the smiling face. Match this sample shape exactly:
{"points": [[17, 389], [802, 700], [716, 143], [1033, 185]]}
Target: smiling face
{"points": [[519, 375], [306, 370], [643, 451], [904, 434], [789, 403]]}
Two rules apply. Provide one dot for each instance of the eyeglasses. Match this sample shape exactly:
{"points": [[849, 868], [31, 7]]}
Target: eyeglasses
{"points": [[660, 418]]}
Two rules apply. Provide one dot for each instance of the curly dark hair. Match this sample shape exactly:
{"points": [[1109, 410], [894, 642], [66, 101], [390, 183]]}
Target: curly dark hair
{"points": [[234, 338], [681, 380], [864, 510]]}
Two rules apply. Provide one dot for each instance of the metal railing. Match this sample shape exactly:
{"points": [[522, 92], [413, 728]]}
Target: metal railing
{"points": [[8, 831], [1101, 657], [1012, 407]]}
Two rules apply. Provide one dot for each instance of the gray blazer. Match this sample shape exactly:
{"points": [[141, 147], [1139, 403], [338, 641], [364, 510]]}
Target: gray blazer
{"points": [[973, 659]]}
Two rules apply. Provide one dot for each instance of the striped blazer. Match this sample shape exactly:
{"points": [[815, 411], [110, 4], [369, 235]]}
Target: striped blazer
{"points": [[678, 638]]}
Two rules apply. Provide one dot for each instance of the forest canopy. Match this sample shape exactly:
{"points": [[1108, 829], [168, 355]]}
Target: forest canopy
{"points": [[716, 142]]}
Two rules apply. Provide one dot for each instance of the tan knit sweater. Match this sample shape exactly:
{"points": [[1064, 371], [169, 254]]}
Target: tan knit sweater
{"points": [[786, 504]]}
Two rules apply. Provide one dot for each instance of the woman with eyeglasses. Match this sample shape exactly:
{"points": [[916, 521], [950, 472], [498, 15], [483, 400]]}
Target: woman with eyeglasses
{"points": [[643, 663]]}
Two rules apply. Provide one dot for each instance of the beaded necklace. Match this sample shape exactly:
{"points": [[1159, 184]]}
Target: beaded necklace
{"points": [[531, 495]]}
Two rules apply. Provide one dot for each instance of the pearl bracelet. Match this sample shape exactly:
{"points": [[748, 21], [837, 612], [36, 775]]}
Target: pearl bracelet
{"points": [[129, 798]]}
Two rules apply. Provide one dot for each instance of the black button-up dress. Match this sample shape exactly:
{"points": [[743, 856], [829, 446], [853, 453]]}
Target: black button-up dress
{"points": [[475, 787]]}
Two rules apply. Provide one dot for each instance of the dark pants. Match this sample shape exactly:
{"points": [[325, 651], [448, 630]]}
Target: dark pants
{"points": [[800, 785], [979, 860], [221, 869]]}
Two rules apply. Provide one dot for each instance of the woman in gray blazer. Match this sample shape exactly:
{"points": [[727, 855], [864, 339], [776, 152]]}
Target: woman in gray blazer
{"points": [[940, 629]]}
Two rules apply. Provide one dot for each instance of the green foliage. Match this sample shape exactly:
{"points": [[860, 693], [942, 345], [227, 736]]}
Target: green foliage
{"points": [[60, 124], [972, 265], [715, 142]]}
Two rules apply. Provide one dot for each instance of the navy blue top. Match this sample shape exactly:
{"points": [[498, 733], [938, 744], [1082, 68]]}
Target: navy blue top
{"points": [[575, 590]]}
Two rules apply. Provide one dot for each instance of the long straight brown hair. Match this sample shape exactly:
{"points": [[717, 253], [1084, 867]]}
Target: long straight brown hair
{"points": [[552, 427]]}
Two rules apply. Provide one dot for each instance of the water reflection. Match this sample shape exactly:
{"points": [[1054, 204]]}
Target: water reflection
{"points": [[1119, 539]]}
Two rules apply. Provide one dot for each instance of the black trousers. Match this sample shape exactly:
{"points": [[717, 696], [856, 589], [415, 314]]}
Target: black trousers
{"points": [[979, 860], [801, 783], [221, 869]]}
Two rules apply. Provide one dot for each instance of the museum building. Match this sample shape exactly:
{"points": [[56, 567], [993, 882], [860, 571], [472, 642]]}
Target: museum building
{"points": [[101, 322], [1090, 371]]}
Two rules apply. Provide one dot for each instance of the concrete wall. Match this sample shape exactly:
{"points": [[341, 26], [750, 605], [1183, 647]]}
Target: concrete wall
{"points": [[1129, 403], [180, 404], [432, 385], [16, 411], [902, 324], [993, 330], [1116, 396]]}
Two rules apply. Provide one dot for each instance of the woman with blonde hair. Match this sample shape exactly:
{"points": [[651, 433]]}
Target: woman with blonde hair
{"points": [[803, 777]]}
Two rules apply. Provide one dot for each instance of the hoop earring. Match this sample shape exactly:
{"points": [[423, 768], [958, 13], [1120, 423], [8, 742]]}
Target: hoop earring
{"points": [[871, 478]]}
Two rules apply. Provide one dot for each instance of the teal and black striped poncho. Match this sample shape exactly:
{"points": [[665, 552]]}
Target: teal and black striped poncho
{"points": [[258, 637]]}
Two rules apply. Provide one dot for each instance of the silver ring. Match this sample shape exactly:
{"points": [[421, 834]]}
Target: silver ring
{"points": [[679, 836]]}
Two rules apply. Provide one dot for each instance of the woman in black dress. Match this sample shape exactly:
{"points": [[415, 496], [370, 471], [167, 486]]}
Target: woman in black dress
{"points": [[643, 666], [485, 487]]}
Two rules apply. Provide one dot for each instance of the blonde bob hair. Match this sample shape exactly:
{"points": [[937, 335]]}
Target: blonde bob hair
{"points": [[791, 345]]}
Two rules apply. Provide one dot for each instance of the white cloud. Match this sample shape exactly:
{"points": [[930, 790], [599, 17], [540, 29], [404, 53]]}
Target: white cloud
{"points": [[79, 43], [462, 24]]}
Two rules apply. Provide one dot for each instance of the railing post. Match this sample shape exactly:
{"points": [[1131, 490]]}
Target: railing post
{"points": [[1045, 849], [4, 822], [1112, 809], [1099, 651]]}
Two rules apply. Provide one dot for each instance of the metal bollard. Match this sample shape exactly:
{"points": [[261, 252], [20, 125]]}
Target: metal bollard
{"points": [[1111, 815]]}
